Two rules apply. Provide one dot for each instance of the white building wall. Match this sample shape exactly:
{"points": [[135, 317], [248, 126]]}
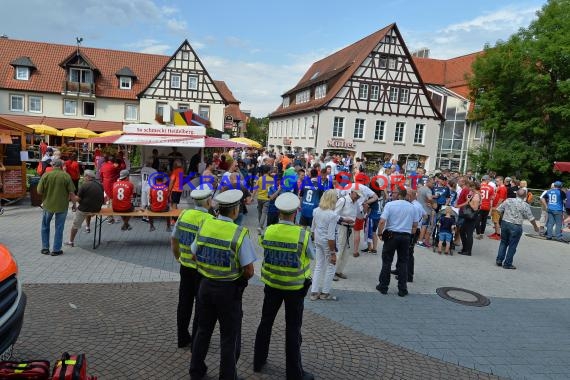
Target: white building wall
{"points": [[148, 110]]}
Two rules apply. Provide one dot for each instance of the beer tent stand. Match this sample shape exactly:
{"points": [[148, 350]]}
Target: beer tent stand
{"points": [[12, 143]]}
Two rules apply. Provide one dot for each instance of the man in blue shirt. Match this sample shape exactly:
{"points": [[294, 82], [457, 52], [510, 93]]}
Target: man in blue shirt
{"points": [[398, 224], [553, 201]]}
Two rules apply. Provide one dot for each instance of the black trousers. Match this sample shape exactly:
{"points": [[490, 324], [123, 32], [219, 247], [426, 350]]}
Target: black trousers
{"points": [[218, 301], [413, 242], [294, 305], [466, 234], [399, 242], [482, 221], [187, 292]]}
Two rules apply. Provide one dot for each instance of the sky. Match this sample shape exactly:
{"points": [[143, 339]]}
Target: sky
{"points": [[261, 49]]}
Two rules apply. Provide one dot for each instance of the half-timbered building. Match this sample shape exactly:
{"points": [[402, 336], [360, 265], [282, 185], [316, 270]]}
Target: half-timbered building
{"points": [[366, 99]]}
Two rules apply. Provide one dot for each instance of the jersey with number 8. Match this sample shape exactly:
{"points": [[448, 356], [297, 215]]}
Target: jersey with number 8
{"points": [[159, 200], [123, 195]]}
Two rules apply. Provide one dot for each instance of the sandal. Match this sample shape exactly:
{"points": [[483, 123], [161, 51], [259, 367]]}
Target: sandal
{"points": [[373, 251], [328, 297], [315, 296]]}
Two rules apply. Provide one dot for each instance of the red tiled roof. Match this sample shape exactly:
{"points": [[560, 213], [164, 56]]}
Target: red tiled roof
{"points": [[62, 123], [49, 76], [344, 62], [227, 95]]}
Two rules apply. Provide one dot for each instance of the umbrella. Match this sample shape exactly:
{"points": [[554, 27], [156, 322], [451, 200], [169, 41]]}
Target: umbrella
{"points": [[77, 133], [248, 142], [110, 133], [42, 129]]}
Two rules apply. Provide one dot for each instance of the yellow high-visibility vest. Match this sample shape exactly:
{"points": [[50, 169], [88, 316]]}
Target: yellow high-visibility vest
{"points": [[189, 224]]}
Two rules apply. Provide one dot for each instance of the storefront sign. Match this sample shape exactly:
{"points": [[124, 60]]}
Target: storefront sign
{"points": [[13, 182], [162, 130], [340, 144]]}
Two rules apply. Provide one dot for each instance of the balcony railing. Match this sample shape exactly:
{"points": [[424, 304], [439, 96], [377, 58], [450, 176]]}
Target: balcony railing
{"points": [[78, 88]]}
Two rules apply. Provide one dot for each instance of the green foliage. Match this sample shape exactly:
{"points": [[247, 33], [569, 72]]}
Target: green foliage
{"points": [[212, 132], [135, 156], [257, 129], [522, 90]]}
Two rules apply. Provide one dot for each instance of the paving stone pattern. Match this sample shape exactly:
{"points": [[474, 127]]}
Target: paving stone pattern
{"points": [[128, 332]]}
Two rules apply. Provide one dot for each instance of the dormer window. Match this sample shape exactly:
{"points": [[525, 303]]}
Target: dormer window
{"points": [[125, 83], [80, 75], [22, 73], [285, 102]]}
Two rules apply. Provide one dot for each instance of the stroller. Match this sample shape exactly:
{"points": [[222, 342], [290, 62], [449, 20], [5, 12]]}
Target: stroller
{"points": [[435, 233]]}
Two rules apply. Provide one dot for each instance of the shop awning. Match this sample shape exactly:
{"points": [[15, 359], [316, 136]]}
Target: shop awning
{"points": [[156, 140]]}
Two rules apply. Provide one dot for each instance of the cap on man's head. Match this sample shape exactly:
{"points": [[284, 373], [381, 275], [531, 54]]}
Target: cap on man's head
{"points": [[199, 194], [557, 184], [287, 203], [124, 174], [89, 173], [229, 198]]}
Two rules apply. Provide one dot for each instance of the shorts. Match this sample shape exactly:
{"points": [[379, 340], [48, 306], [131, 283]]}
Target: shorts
{"points": [[445, 237], [426, 221], [305, 221], [495, 216], [359, 224], [175, 197], [78, 219]]}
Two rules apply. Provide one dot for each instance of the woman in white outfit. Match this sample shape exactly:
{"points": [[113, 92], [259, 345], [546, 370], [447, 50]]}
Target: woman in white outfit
{"points": [[323, 229]]}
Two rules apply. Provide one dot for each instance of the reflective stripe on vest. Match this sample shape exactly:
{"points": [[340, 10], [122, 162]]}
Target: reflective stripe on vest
{"points": [[218, 244], [188, 224], [285, 265]]}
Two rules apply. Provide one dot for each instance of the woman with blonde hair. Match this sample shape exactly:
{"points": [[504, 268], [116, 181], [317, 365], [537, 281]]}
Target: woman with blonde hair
{"points": [[323, 230]]}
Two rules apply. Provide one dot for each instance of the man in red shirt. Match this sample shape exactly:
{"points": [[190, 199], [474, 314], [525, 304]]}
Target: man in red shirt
{"points": [[487, 196], [175, 187], [123, 191], [158, 201], [500, 197], [71, 167]]}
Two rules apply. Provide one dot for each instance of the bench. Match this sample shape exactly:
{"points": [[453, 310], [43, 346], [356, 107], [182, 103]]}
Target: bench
{"points": [[107, 212]]}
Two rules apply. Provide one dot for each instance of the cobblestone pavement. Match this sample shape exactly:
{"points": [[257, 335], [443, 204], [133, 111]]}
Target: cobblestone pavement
{"points": [[128, 332], [523, 334]]}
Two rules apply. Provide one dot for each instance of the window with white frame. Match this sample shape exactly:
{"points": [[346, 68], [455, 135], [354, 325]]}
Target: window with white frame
{"points": [[404, 95], [312, 127], [22, 73], [392, 61], [287, 130], [285, 101], [338, 127], [363, 91], [161, 108], [175, 81], [399, 132], [35, 104], [80, 75], [359, 129], [125, 83], [374, 92], [131, 112], [69, 107], [321, 91], [192, 82], [204, 111], [379, 134], [383, 62], [17, 103], [88, 108], [304, 133], [419, 134], [394, 94], [303, 96]]}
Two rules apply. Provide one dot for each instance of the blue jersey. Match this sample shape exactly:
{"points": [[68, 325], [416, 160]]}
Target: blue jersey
{"points": [[310, 198], [442, 192], [555, 199]]}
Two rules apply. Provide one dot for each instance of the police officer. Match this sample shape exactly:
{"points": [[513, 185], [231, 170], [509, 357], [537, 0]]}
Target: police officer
{"points": [[183, 235], [287, 277], [398, 224], [225, 256]]}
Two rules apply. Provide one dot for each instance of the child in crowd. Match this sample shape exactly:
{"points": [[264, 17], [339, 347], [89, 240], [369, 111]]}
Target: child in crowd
{"points": [[446, 226]]}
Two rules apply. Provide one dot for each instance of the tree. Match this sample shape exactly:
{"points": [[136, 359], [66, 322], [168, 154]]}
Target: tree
{"points": [[521, 89], [257, 129]]}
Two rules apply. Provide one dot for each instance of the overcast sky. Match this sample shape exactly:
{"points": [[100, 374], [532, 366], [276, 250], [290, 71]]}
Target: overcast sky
{"points": [[262, 48]]}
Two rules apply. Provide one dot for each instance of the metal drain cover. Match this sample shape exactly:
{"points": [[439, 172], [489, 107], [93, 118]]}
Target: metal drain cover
{"points": [[463, 296]]}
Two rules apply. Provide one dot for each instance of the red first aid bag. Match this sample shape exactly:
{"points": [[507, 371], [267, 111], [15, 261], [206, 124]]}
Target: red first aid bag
{"points": [[30, 370], [70, 367]]}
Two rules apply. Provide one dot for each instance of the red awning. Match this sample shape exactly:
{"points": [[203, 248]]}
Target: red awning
{"points": [[562, 166]]}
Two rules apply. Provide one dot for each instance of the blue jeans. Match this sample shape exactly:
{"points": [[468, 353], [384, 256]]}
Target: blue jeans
{"points": [[554, 219], [510, 236], [59, 224]]}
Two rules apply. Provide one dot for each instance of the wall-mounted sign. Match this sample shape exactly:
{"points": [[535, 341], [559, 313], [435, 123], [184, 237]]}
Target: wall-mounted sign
{"points": [[159, 129], [340, 144]]}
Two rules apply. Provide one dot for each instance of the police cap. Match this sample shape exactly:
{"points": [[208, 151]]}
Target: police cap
{"points": [[287, 203], [229, 198], [199, 194]]}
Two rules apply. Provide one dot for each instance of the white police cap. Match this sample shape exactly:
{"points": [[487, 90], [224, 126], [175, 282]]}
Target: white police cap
{"points": [[287, 203], [201, 194], [229, 198]]}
